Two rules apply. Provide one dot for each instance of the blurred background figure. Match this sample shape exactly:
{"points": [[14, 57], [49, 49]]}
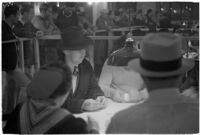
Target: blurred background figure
{"points": [[140, 19], [17, 81], [67, 17], [150, 20], [44, 21], [25, 28]]}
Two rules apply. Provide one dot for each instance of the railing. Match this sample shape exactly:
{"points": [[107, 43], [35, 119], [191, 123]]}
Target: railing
{"points": [[58, 37]]}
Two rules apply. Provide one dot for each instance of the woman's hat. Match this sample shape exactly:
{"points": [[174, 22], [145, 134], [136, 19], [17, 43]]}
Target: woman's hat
{"points": [[161, 56], [50, 78], [44, 84], [74, 39]]}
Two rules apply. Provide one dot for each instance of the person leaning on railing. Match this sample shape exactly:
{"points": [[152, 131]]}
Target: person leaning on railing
{"points": [[24, 28], [16, 80]]}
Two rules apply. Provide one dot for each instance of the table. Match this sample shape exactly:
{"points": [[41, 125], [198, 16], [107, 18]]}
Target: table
{"points": [[104, 116]]}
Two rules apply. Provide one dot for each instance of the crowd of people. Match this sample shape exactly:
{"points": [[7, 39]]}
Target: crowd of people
{"points": [[66, 85]]}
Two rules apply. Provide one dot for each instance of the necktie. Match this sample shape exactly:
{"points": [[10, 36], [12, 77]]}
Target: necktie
{"points": [[75, 72]]}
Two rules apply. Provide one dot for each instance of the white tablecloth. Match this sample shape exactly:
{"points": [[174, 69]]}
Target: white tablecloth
{"points": [[104, 116]]}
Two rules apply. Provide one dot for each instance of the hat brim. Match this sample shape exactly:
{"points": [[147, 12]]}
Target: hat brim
{"points": [[77, 45], [186, 66]]}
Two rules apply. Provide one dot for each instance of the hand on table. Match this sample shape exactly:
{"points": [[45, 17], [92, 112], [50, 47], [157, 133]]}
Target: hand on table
{"points": [[118, 96], [92, 105], [102, 100]]}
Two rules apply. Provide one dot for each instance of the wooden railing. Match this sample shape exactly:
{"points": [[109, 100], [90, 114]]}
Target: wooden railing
{"points": [[58, 37]]}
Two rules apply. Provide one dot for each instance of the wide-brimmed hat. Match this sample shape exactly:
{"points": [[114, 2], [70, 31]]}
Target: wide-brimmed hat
{"points": [[161, 56], [74, 39]]}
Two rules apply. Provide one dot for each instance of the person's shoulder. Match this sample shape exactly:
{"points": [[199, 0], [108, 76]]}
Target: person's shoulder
{"points": [[134, 112], [85, 63]]}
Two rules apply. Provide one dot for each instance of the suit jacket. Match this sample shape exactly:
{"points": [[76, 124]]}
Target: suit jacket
{"points": [[165, 112], [9, 50], [87, 87]]}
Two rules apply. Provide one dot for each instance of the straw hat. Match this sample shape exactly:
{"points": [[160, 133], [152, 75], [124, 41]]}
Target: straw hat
{"points": [[161, 56]]}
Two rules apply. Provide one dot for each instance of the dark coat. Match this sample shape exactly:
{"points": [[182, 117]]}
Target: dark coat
{"points": [[24, 30], [9, 50], [87, 87]]}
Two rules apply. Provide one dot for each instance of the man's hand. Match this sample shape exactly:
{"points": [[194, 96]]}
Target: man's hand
{"points": [[91, 105], [102, 100]]}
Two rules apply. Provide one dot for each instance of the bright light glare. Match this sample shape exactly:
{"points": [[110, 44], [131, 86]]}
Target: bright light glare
{"points": [[175, 11], [90, 3]]}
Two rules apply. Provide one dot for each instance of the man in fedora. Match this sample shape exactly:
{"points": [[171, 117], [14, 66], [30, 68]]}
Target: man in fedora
{"points": [[166, 111], [86, 95]]}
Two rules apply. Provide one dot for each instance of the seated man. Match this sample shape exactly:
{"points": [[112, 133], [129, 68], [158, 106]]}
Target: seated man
{"points": [[166, 111], [42, 112], [86, 95], [119, 82]]}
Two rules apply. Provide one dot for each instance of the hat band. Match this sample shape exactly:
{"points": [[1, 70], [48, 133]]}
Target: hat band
{"points": [[161, 66]]}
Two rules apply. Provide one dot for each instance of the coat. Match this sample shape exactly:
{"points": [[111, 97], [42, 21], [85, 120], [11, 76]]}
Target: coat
{"points": [[9, 50], [87, 88]]}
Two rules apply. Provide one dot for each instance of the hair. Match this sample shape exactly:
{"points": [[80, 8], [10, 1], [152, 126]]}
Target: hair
{"points": [[149, 11], [66, 84], [10, 9], [44, 7], [26, 8]]}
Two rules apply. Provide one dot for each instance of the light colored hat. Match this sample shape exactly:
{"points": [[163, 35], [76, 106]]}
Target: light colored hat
{"points": [[161, 56]]}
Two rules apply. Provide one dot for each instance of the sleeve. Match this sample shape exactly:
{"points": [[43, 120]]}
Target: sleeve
{"points": [[74, 105], [94, 90], [105, 79], [19, 30]]}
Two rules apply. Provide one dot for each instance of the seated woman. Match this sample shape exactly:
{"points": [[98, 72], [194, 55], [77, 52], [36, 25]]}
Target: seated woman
{"points": [[117, 81], [42, 112]]}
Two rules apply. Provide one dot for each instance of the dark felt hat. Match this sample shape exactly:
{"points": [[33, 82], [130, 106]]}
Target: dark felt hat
{"points": [[74, 39]]}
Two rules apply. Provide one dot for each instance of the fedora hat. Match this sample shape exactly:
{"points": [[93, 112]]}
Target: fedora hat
{"points": [[161, 56], [74, 39]]}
